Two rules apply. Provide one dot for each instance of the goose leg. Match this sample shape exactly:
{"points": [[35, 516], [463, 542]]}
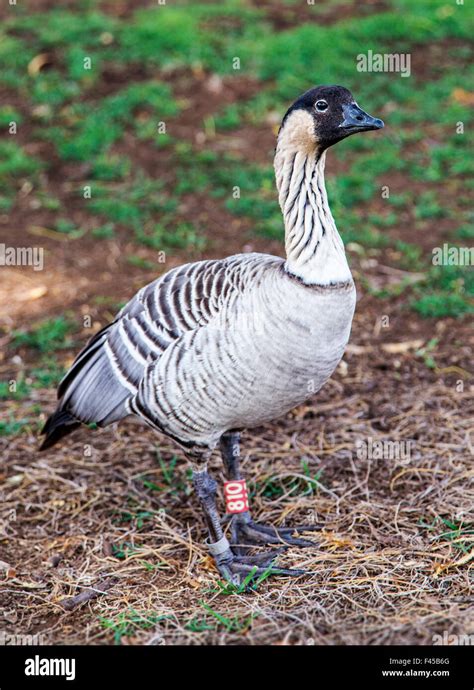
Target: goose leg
{"points": [[233, 567], [244, 530]]}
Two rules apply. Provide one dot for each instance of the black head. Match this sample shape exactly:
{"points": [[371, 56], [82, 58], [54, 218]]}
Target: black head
{"points": [[325, 115]]}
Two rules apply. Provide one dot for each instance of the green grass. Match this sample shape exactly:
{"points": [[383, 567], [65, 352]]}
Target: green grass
{"points": [[51, 90], [446, 291], [110, 168], [47, 201], [171, 479], [426, 353], [47, 375], [87, 133], [190, 35], [130, 622], [135, 204], [140, 262], [227, 623], [15, 166], [47, 336], [138, 518], [15, 162], [123, 550], [439, 305], [14, 389], [411, 255], [465, 232], [14, 427], [68, 227], [62, 28], [429, 206], [340, 43], [8, 115], [458, 532], [251, 582], [104, 232], [421, 113], [14, 58], [6, 203], [305, 485]]}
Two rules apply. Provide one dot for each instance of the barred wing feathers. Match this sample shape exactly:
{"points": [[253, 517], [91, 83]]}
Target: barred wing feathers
{"points": [[107, 373]]}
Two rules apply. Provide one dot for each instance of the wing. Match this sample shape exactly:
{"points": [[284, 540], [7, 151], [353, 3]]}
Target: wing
{"points": [[106, 374]]}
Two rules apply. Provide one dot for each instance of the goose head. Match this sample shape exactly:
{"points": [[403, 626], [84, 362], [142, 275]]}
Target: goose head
{"points": [[323, 116]]}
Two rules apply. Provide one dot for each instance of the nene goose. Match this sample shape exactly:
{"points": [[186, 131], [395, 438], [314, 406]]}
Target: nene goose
{"points": [[214, 347]]}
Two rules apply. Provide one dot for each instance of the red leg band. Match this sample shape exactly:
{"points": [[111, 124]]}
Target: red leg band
{"points": [[236, 497]]}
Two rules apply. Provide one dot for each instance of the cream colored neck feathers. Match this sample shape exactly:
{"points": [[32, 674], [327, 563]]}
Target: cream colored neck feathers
{"points": [[314, 249]]}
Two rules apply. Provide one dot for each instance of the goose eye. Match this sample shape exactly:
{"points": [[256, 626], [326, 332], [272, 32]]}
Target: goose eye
{"points": [[321, 105]]}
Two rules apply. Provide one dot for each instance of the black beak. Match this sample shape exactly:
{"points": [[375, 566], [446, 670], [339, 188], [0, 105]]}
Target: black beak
{"points": [[356, 120]]}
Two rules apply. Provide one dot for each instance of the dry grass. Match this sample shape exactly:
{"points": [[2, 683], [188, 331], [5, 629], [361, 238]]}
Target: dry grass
{"points": [[385, 569]]}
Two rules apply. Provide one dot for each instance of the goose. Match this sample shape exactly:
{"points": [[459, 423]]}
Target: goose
{"points": [[214, 347]]}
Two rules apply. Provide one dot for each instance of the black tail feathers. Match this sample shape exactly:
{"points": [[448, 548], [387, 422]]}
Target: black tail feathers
{"points": [[60, 424]]}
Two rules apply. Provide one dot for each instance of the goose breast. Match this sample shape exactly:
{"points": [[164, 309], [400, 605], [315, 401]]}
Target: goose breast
{"points": [[257, 358]]}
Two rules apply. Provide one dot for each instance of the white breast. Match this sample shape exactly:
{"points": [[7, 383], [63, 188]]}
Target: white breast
{"points": [[277, 346]]}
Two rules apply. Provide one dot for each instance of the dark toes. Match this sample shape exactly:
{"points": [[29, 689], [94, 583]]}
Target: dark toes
{"points": [[262, 559], [244, 570], [247, 533]]}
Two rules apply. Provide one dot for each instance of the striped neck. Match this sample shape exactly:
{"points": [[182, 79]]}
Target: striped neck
{"points": [[314, 249]]}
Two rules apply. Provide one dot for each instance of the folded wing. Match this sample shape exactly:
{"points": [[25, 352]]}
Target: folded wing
{"points": [[106, 374]]}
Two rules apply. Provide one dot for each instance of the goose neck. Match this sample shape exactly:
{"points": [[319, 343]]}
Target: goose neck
{"points": [[314, 249]]}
